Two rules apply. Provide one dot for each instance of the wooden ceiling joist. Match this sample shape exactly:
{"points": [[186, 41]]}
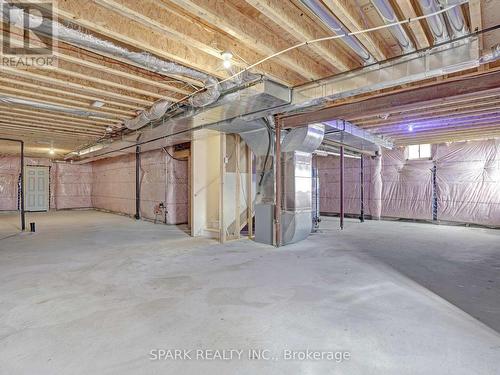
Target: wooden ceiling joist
{"points": [[292, 20], [252, 35], [40, 113], [348, 12]]}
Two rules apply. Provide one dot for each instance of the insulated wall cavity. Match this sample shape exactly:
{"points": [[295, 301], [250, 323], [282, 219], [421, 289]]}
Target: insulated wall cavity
{"points": [[70, 184], [113, 186], [329, 180], [468, 175], [73, 186], [406, 186], [177, 190], [162, 180], [467, 184]]}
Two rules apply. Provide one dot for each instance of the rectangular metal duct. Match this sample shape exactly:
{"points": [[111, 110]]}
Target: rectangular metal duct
{"points": [[260, 96], [345, 133]]}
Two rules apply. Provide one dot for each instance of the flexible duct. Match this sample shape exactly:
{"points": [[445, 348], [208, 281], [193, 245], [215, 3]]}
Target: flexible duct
{"points": [[436, 22], [457, 22], [336, 26], [68, 35], [387, 13]]}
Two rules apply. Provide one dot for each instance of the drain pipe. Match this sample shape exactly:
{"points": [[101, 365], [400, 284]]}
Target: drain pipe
{"points": [[23, 216], [137, 182]]}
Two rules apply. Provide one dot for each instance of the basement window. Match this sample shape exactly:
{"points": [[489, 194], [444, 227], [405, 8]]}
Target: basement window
{"points": [[416, 152]]}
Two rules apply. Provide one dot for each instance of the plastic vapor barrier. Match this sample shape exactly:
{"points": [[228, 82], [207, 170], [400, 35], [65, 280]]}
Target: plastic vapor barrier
{"points": [[467, 184], [70, 184]]}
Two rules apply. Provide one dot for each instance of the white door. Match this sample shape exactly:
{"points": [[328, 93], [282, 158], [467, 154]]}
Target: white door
{"points": [[36, 188]]}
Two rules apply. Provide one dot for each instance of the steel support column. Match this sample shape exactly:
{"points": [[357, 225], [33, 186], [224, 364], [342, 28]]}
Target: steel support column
{"points": [[342, 187], [21, 190], [137, 183], [362, 191]]}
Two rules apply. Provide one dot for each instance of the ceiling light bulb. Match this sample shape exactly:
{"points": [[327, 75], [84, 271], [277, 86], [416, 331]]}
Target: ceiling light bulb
{"points": [[51, 151], [97, 104], [410, 128], [227, 64], [227, 56]]}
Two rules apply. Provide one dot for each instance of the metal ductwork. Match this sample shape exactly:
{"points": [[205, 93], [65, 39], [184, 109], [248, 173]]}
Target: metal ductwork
{"points": [[297, 181], [457, 22], [338, 28], [254, 98], [344, 133], [436, 22], [388, 15]]}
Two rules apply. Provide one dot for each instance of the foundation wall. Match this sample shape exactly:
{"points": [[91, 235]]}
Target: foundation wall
{"points": [[467, 183], [70, 184]]}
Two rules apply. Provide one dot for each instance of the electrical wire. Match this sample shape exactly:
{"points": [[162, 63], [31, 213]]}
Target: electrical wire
{"points": [[324, 39], [172, 157]]}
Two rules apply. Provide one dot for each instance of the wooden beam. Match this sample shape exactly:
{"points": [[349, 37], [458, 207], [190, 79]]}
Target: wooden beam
{"points": [[453, 107], [53, 99], [104, 79], [438, 93], [486, 124], [350, 15], [44, 99], [293, 21], [35, 119], [129, 72], [66, 93], [30, 124], [25, 129], [51, 115], [476, 21], [55, 79], [254, 35], [162, 19], [103, 21]]}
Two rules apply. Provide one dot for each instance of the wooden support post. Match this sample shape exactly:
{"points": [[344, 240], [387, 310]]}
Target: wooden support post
{"points": [[222, 226], [237, 155]]}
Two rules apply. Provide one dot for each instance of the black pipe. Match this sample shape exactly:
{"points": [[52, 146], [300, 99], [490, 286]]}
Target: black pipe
{"points": [[434, 194], [362, 192], [23, 216], [137, 183], [342, 187]]}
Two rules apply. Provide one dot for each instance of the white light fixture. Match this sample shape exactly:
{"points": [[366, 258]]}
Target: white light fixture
{"points": [[410, 128], [227, 57], [97, 104], [52, 151]]}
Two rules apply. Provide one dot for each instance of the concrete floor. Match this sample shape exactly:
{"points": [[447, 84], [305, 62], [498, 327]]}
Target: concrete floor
{"points": [[94, 293]]}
